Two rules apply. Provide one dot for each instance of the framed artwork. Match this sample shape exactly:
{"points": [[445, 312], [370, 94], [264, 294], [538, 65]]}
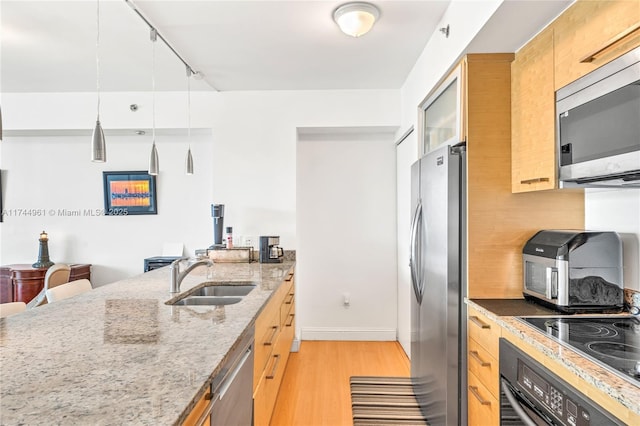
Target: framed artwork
{"points": [[129, 193]]}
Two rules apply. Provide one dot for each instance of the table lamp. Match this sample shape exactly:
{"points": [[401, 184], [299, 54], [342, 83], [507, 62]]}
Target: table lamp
{"points": [[43, 252]]}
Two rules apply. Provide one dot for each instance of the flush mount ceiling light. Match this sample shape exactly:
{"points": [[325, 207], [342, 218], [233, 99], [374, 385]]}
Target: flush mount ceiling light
{"points": [[356, 19]]}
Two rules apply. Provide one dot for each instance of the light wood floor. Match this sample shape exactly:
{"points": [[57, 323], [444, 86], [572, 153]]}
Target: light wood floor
{"points": [[315, 387]]}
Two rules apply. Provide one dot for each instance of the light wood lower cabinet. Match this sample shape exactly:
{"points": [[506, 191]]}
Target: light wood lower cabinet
{"points": [[275, 329], [198, 411], [484, 377], [484, 408]]}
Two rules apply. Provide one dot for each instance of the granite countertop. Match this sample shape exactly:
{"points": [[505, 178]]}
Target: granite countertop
{"points": [[505, 314], [119, 355]]}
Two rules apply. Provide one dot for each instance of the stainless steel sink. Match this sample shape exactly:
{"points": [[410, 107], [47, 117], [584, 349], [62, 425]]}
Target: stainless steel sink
{"points": [[208, 300], [216, 293], [224, 289]]}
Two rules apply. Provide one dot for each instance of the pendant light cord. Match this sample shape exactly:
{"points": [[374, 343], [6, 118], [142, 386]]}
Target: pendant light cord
{"points": [[189, 105], [98, 54], [153, 83]]}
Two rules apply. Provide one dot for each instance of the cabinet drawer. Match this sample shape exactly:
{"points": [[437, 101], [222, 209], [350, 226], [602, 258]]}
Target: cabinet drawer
{"points": [[265, 343], [264, 398], [484, 331], [484, 367], [287, 307], [483, 407]]}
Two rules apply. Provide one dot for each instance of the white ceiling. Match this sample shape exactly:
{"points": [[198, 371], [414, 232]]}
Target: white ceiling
{"points": [[50, 46]]}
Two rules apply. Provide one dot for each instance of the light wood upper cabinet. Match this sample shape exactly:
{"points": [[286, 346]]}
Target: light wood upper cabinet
{"points": [[500, 222], [441, 116], [586, 36], [533, 153], [591, 33]]}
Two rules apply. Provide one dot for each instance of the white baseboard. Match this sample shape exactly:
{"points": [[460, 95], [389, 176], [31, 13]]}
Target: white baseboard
{"points": [[360, 334], [295, 345]]}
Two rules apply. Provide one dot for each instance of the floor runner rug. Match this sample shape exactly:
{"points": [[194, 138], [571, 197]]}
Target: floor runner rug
{"points": [[384, 401]]}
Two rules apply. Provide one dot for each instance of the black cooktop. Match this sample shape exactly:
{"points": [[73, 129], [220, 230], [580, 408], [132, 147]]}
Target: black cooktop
{"points": [[612, 342]]}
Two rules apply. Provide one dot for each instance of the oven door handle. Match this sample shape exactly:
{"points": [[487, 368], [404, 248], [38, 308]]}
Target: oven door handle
{"points": [[516, 405]]}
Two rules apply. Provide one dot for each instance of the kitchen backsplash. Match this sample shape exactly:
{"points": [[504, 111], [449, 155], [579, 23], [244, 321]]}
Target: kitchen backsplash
{"points": [[632, 297]]}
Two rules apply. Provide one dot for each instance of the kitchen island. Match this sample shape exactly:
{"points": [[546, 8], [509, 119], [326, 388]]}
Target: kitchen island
{"points": [[618, 396], [119, 354]]}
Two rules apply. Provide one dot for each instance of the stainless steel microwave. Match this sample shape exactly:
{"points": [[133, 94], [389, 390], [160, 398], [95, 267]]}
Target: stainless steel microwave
{"points": [[598, 126]]}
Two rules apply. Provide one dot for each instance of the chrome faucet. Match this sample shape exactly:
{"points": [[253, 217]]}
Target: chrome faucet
{"points": [[177, 276]]}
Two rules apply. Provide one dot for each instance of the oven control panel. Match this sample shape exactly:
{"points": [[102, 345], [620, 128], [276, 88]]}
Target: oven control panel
{"points": [[530, 390], [569, 412]]}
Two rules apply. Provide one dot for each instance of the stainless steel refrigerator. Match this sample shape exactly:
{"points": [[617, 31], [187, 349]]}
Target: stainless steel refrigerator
{"points": [[438, 273]]}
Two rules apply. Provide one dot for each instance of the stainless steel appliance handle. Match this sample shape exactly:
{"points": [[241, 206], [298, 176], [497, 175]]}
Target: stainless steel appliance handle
{"points": [[414, 257], [230, 379], [421, 280], [516, 405]]}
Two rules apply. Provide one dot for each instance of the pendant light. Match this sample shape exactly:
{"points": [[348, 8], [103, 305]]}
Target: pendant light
{"points": [[98, 149], [153, 160], [189, 163]]}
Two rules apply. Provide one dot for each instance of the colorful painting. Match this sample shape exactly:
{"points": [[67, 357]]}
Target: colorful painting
{"points": [[128, 193]]}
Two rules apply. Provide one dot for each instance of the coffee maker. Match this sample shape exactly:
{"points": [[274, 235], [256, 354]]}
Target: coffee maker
{"points": [[270, 252]]}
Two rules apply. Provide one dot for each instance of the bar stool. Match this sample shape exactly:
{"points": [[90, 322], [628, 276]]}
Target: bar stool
{"points": [[67, 290], [11, 308]]}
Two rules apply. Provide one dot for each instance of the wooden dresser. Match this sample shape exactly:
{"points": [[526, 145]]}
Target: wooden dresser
{"points": [[22, 282]]}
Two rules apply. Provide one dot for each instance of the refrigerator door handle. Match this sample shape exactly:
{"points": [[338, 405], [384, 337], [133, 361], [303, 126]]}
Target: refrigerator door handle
{"points": [[421, 281], [415, 254]]}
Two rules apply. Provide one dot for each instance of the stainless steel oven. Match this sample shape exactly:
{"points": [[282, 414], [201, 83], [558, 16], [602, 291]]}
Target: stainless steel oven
{"points": [[531, 395]]}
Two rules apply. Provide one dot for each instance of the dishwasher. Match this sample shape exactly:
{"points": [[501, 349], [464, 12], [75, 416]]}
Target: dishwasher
{"points": [[231, 402]]}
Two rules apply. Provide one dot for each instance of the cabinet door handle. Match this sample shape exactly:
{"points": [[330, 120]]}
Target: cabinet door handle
{"points": [[481, 400], [290, 323], [288, 302], [626, 33], [290, 277], [272, 375], [534, 180], [475, 355], [479, 322], [273, 336]]}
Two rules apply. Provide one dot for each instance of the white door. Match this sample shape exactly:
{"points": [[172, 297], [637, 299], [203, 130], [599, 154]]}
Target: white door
{"points": [[406, 155]]}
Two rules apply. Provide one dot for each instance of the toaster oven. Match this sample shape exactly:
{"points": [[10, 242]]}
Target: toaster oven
{"points": [[574, 271]]}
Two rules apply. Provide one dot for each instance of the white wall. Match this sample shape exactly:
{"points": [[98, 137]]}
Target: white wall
{"points": [[618, 210], [465, 20], [248, 163], [346, 236], [52, 177], [406, 155]]}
